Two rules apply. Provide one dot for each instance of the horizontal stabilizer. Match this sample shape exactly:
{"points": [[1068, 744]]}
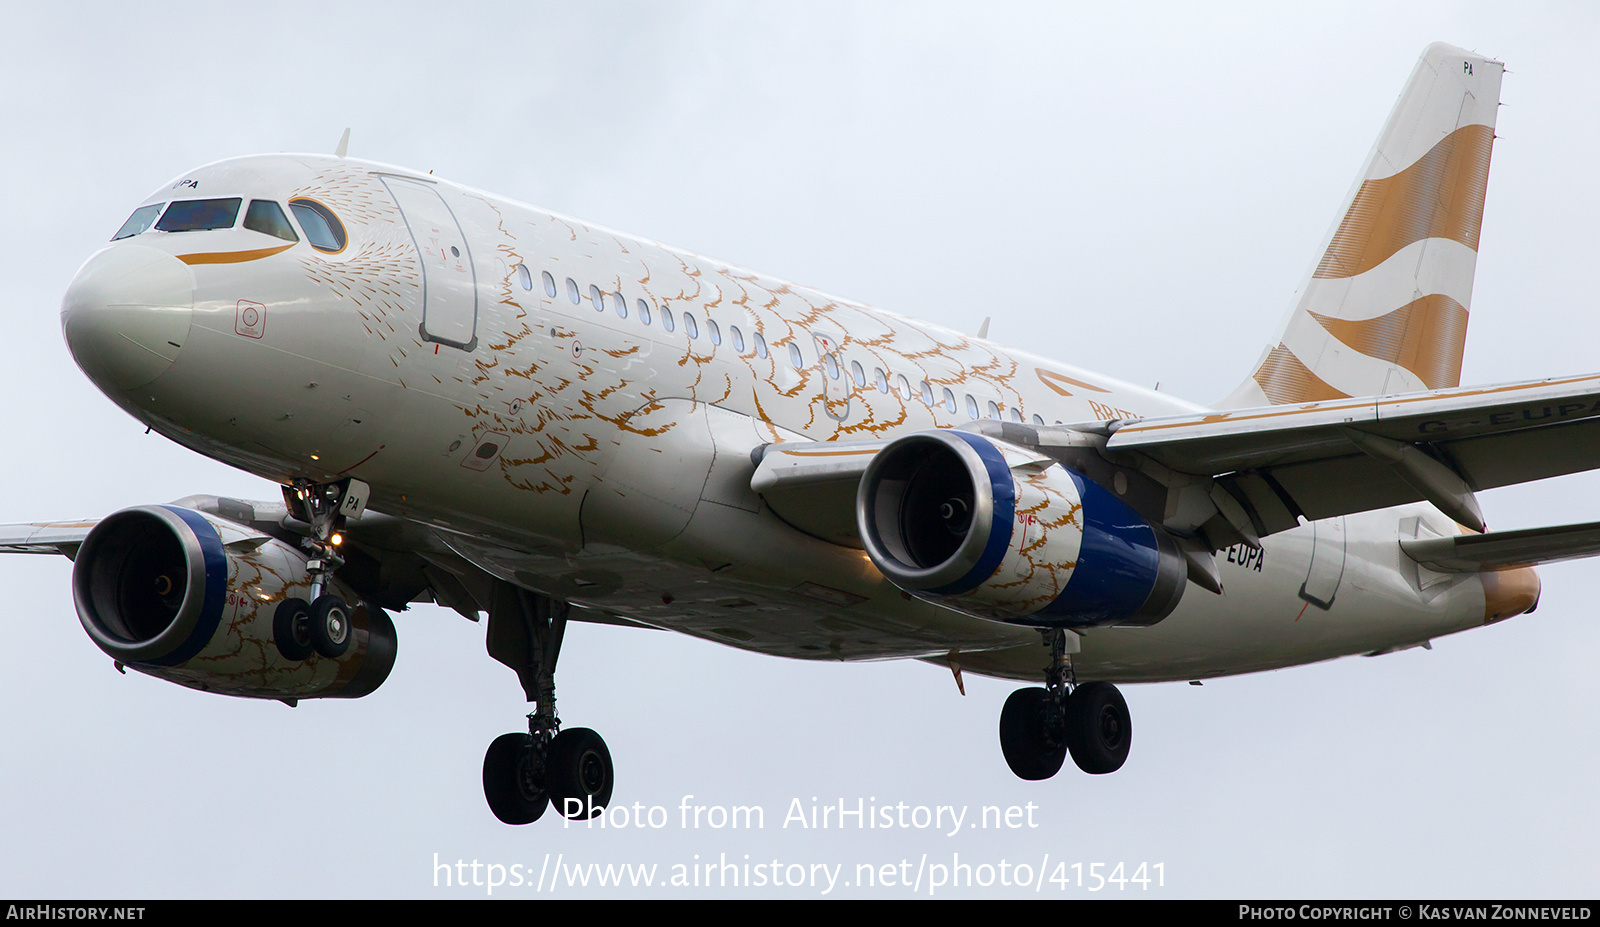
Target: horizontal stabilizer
{"points": [[1504, 550]]}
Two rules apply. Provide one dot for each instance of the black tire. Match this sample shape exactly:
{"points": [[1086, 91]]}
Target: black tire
{"points": [[1032, 749], [511, 780], [1099, 728], [330, 626], [579, 771], [291, 630]]}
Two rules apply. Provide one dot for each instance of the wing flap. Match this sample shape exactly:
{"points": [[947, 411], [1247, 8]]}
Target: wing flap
{"points": [[1240, 439], [1337, 457]]}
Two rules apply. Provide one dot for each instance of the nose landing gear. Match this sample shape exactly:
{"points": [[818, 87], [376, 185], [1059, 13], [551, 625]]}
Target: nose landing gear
{"points": [[1039, 727], [525, 773], [321, 625]]}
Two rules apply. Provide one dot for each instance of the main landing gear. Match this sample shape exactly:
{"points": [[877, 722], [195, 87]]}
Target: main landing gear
{"points": [[525, 773], [1039, 727], [322, 625]]}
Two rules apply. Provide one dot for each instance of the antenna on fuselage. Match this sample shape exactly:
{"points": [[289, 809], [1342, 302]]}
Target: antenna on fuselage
{"points": [[344, 144], [983, 330]]}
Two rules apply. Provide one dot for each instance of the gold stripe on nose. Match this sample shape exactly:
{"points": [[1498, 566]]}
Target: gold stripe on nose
{"points": [[231, 257]]}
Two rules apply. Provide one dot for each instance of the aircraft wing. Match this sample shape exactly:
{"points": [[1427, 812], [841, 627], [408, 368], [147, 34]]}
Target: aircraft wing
{"points": [[54, 537], [1504, 550], [1239, 475], [813, 486], [1328, 458]]}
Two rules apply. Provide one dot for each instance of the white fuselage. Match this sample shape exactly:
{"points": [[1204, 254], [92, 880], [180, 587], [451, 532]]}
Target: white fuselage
{"points": [[604, 457]]}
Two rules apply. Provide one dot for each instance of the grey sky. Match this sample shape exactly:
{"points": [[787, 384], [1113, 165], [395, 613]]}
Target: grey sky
{"points": [[1135, 189]]}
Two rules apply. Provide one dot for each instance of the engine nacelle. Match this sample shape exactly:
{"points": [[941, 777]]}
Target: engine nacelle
{"points": [[996, 531], [190, 597]]}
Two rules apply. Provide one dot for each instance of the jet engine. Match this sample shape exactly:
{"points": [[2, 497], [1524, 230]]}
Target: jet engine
{"points": [[191, 598], [1000, 532]]}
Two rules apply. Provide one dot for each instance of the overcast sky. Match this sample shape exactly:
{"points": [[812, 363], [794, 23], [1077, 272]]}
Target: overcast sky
{"points": [[1135, 189]]}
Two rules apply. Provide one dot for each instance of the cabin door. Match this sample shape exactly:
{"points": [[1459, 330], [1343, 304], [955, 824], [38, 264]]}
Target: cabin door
{"points": [[449, 284]]}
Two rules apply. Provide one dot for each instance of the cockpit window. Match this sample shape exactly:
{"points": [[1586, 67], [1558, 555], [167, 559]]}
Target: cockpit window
{"points": [[138, 222], [323, 229], [267, 217], [199, 215]]}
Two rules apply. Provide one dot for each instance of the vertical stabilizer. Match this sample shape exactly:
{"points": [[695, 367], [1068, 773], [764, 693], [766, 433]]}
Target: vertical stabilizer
{"points": [[1384, 309]]}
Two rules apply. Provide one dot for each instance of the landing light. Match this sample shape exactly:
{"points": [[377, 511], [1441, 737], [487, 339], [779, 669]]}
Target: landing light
{"points": [[337, 539]]}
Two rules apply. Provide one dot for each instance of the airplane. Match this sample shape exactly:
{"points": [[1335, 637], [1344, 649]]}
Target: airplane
{"points": [[525, 417]]}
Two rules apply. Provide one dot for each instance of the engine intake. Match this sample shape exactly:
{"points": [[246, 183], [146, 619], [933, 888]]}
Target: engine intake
{"points": [[159, 589], [1000, 532]]}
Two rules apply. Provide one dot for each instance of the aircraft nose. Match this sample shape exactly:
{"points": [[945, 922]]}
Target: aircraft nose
{"points": [[126, 314]]}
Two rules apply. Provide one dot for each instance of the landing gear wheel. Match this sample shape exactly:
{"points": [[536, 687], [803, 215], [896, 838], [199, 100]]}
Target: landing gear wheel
{"points": [[579, 774], [291, 630], [1034, 745], [511, 780], [330, 626], [1099, 730]]}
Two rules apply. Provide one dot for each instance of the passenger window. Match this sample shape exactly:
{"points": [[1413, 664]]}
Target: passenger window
{"points": [[994, 410], [882, 378], [572, 291], [267, 217], [323, 229], [713, 331], [524, 276], [905, 388], [619, 304], [1016, 414], [666, 319], [644, 311], [831, 365], [859, 374], [972, 407], [1038, 419], [598, 300], [691, 326], [549, 285], [761, 346], [141, 220], [794, 356], [927, 394], [738, 338], [950, 401], [200, 215]]}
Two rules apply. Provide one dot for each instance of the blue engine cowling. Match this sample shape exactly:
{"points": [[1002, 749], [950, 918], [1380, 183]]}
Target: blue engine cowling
{"points": [[189, 597], [1001, 532]]}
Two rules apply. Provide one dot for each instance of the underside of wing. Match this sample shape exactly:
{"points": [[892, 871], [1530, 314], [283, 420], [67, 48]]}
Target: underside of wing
{"points": [[1322, 459], [813, 486], [53, 537]]}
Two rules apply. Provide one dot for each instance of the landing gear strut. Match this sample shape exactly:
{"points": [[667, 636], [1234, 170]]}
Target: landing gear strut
{"points": [[524, 773], [1038, 727], [321, 625]]}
